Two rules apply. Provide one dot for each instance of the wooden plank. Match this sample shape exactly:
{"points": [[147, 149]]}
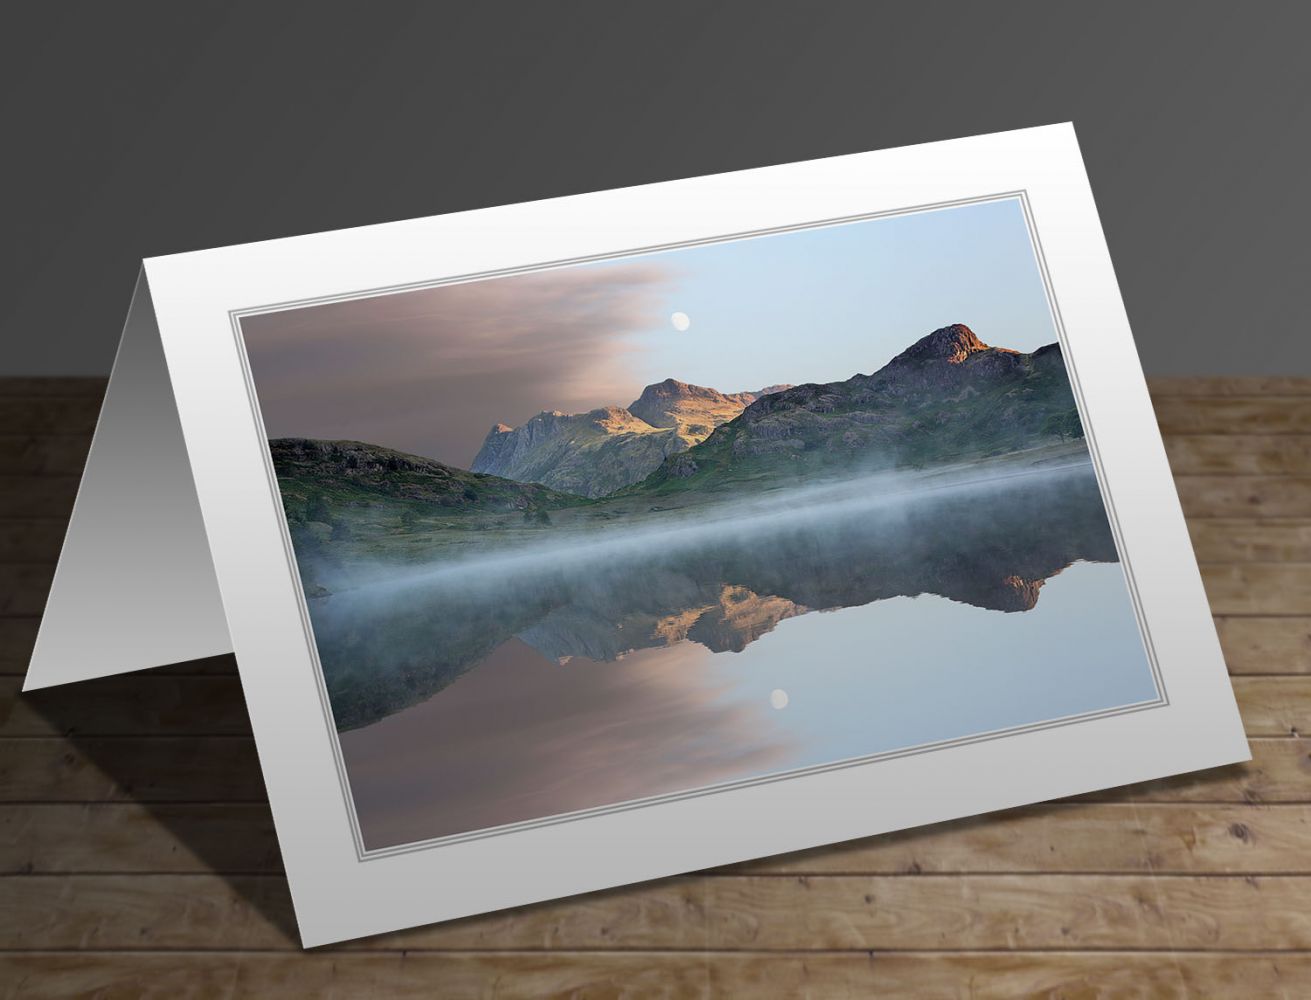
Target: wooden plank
{"points": [[226, 769], [197, 975], [659, 975], [31, 541], [1009, 911], [130, 705], [1266, 645], [1239, 454], [1279, 771], [1242, 540], [181, 769], [24, 588], [959, 912], [1228, 385], [1244, 496], [1006, 976], [226, 838], [1055, 838], [1110, 838], [37, 386], [1258, 588], [72, 414], [43, 454], [17, 637], [1265, 415], [254, 912], [40, 495], [1274, 706]]}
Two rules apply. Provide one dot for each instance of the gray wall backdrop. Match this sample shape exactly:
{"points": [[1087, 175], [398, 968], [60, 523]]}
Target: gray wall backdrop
{"points": [[134, 129]]}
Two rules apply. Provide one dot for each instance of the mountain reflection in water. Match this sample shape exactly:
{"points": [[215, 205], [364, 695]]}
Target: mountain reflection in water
{"points": [[487, 694]]}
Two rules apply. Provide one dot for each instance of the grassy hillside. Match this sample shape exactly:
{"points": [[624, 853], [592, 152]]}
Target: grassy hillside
{"points": [[947, 399]]}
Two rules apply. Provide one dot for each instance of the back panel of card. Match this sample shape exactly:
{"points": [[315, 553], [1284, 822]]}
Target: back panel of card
{"points": [[135, 585]]}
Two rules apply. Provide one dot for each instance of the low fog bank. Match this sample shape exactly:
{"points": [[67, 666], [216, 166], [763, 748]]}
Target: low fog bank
{"points": [[720, 575], [878, 505]]}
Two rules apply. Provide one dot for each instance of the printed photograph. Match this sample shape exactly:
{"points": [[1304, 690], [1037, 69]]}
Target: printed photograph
{"points": [[597, 534]]}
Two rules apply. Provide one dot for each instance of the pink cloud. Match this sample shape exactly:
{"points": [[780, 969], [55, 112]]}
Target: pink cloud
{"points": [[430, 371]]}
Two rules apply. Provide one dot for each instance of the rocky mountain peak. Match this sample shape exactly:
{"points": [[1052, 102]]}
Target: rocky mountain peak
{"points": [[671, 403], [952, 344]]}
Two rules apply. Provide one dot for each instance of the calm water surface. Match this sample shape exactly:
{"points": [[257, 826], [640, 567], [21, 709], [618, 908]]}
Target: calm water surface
{"points": [[826, 634]]}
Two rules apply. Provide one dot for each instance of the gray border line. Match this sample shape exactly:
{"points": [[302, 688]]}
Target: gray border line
{"points": [[363, 854]]}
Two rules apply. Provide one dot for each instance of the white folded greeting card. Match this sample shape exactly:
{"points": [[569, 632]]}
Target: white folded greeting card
{"points": [[568, 544]]}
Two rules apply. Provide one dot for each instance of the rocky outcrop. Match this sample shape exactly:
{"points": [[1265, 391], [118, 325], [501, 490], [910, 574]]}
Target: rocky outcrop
{"points": [[692, 410], [588, 454], [595, 453]]}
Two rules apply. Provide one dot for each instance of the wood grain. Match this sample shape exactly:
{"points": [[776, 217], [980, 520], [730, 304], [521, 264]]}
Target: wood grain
{"points": [[759, 913], [660, 976], [24, 587], [994, 912], [30, 541], [1236, 540], [159, 704], [193, 975], [38, 496], [1264, 415], [1229, 385], [1101, 838], [39, 386], [1010, 974], [1244, 496], [1266, 645], [29, 455], [138, 857], [1239, 454], [147, 769], [1258, 588], [1054, 838], [38, 414]]}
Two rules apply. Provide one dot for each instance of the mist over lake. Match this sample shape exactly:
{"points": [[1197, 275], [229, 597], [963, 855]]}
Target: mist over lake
{"points": [[584, 667]]}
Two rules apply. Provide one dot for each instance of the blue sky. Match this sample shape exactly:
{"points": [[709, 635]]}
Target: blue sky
{"points": [[823, 304]]}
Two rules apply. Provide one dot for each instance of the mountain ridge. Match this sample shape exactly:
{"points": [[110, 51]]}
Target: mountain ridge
{"points": [[600, 451], [947, 397]]}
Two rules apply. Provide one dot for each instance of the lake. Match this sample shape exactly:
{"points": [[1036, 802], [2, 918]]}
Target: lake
{"points": [[725, 643]]}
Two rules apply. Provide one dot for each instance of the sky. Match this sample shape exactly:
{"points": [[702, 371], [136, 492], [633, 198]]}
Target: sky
{"points": [[430, 371]]}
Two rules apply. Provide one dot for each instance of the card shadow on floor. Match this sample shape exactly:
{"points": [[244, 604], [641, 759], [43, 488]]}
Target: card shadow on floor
{"points": [[176, 740]]}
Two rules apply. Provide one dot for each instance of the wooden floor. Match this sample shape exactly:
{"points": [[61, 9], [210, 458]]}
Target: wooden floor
{"points": [[139, 857]]}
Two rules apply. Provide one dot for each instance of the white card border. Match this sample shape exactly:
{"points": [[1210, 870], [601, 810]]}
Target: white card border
{"points": [[364, 854], [339, 896]]}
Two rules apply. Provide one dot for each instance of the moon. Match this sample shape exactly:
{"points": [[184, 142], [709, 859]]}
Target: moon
{"points": [[778, 698], [681, 321]]}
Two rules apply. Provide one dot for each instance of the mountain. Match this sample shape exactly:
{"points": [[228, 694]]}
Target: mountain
{"points": [[691, 410], [948, 397], [595, 453]]}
